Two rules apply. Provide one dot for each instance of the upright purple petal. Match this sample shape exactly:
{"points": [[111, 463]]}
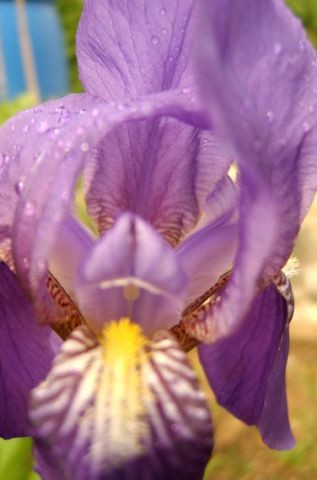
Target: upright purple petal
{"points": [[259, 74], [26, 353], [247, 370], [131, 271], [127, 49], [160, 169], [121, 413]]}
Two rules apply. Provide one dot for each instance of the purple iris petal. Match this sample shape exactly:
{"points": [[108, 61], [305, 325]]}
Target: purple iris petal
{"points": [[71, 244], [140, 429], [26, 352], [221, 204], [130, 49], [247, 369], [131, 271], [209, 252], [259, 72]]}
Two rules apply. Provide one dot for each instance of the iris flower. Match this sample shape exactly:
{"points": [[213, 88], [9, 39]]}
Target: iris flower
{"points": [[96, 327]]}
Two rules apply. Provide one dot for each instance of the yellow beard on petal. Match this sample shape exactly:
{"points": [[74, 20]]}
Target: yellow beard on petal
{"points": [[121, 392]]}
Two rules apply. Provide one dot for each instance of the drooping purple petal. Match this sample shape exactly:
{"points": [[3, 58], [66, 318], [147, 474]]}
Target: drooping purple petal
{"points": [[26, 353], [131, 272], [247, 369], [259, 74], [47, 194], [133, 48], [136, 414]]}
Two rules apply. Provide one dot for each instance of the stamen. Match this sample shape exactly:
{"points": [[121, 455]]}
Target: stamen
{"points": [[292, 267]]}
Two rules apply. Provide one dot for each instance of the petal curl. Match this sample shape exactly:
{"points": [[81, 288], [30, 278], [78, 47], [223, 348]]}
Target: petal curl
{"points": [[131, 415], [259, 73], [26, 128], [128, 49], [44, 204], [26, 353], [131, 271], [247, 370]]}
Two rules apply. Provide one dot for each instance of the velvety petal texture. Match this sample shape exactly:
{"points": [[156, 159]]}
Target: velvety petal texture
{"points": [[26, 353], [259, 73], [247, 370], [131, 271], [121, 411]]}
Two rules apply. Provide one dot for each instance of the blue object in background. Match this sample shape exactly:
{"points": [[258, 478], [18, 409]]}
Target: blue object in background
{"points": [[12, 74], [47, 62]]}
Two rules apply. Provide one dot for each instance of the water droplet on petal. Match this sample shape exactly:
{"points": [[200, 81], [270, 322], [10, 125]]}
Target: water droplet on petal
{"points": [[155, 40], [163, 11], [84, 147], [270, 116], [311, 108], [26, 261], [43, 127], [306, 126], [41, 264], [164, 31], [95, 112], [277, 48], [19, 187], [29, 209], [186, 90], [26, 128]]}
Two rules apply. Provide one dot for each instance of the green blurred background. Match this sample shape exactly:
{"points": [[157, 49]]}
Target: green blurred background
{"points": [[239, 452]]}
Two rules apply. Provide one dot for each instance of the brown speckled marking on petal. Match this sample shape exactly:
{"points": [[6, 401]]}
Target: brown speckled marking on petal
{"points": [[284, 286], [194, 316], [71, 316]]}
